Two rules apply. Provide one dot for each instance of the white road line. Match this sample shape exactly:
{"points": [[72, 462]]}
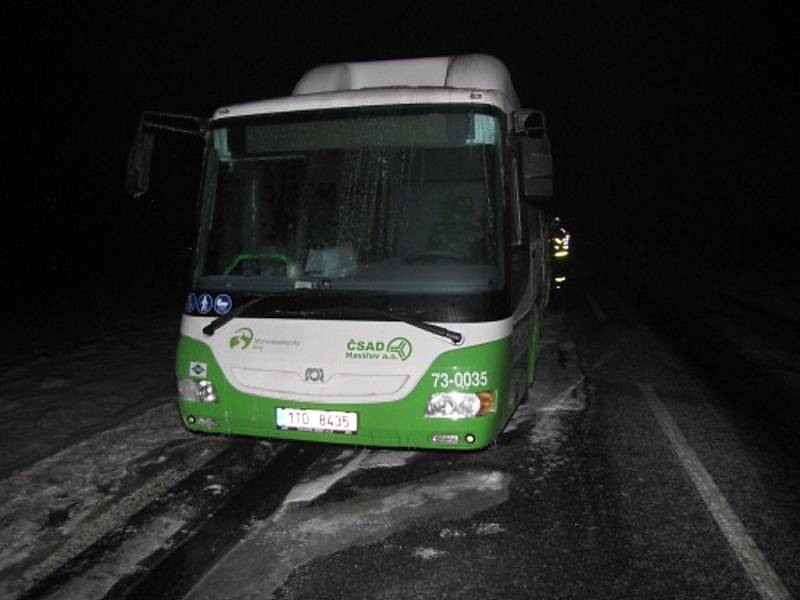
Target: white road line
{"points": [[601, 315], [766, 582]]}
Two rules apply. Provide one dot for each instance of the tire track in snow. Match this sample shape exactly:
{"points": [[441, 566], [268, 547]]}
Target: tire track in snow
{"points": [[296, 535], [93, 487]]}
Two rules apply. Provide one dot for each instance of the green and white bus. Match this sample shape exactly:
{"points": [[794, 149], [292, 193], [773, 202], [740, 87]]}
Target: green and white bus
{"points": [[371, 265]]}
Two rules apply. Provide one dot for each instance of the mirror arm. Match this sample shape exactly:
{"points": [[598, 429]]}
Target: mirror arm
{"points": [[154, 120]]}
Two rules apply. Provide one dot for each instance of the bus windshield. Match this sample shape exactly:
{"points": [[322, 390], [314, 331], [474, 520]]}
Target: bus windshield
{"points": [[382, 199]]}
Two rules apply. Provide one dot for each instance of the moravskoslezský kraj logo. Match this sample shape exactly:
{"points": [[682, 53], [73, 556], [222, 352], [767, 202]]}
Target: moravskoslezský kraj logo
{"points": [[241, 338]]}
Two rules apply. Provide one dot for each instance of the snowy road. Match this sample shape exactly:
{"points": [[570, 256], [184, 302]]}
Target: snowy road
{"points": [[656, 457]]}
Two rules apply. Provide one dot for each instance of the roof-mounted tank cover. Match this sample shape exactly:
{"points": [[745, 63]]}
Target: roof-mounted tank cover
{"points": [[467, 71]]}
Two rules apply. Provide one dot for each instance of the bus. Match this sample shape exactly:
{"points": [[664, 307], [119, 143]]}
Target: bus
{"points": [[371, 264]]}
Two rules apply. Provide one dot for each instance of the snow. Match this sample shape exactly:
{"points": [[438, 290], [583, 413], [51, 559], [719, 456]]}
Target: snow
{"points": [[559, 388], [490, 529], [89, 435], [428, 553], [95, 437], [59, 506], [316, 485], [448, 533], [299, 533], [101, 577], [388, 459], [64, 396], [310, 489], [215, 488]]}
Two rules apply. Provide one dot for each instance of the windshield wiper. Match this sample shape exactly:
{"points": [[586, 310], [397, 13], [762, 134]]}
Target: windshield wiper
{"points": [[224, 319], [454, 336], [239, 310]]}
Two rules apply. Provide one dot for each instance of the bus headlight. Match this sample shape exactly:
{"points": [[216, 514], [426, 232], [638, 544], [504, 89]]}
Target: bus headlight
{"points": [[196, 391], [459, 405]]}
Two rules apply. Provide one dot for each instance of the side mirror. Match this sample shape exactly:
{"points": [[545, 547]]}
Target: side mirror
{"points": [[530, 123], [137, 178], [537, 168]]}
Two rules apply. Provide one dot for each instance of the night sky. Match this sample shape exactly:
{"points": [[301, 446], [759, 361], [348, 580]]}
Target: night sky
{"points": [[673, 126]]}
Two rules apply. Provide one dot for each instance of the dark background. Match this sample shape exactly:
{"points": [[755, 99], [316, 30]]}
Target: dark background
{"points": [[673, 125]]}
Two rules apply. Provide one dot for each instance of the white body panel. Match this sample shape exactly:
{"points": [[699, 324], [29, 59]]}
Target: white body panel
{"points": [[282, 351], [466, 79], [366, 98], [469, 71]]}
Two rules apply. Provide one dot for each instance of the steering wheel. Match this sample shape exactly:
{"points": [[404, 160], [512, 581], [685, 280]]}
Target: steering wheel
{"points": [[423, 254], [270, 256]]}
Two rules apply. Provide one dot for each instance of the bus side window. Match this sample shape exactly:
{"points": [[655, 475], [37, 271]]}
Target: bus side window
{"points": [[538, 250], [520, 247]]}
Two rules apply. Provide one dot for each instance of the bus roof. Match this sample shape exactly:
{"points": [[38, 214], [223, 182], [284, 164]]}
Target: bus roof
{"points": [[468, 71], [469, 78]]}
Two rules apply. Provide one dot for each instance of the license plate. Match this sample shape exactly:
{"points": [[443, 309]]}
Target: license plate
{"points": [[324, 421]]}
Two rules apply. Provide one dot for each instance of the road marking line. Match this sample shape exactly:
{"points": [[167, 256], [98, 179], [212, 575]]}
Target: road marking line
{"points": [[766, 582], [601, 315]]}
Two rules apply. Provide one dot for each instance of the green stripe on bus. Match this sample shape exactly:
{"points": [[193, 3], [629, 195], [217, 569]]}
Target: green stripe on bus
{"points": [[399, 423]]}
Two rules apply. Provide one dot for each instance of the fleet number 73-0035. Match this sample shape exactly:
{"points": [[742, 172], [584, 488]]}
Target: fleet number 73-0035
{"points": [[460, 379]]}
